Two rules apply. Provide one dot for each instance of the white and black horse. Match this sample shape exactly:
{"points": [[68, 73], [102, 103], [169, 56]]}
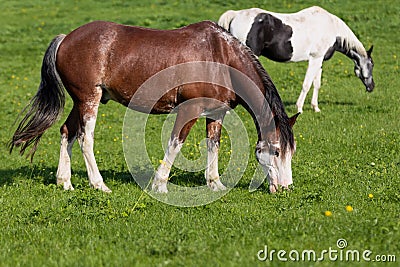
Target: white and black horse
{"points": [[312, 35]]}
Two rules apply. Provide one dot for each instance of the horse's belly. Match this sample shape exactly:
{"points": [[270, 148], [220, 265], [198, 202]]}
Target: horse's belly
{"points": [[146, 101]]}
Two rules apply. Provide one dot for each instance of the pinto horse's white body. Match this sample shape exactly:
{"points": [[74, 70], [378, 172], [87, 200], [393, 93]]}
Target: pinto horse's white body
{"points": [[312, 34]]}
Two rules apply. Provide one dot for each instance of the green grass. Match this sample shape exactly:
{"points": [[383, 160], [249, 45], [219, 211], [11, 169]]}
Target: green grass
{"points": [[346, 152]]}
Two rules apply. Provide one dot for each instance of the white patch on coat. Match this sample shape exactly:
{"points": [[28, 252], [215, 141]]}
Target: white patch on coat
{"points": [[211, 173], [241, 25], [64, 165], [161, 176], [86, 142], [106, 41]]}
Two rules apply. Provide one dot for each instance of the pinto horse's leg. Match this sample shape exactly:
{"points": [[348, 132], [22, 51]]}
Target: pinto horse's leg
{"points": [[185, 119], [213, 141], [317, 85], [314, 66], [68, 131], [86, 141]]}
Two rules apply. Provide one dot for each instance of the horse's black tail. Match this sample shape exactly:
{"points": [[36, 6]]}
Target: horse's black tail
{"points": [[45, 107]]}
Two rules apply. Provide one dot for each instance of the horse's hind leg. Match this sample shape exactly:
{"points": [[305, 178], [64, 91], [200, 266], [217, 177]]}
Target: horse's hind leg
{"points": [[317, 85], [88, 113], [213, 140], [185, 119], [314, 66], [68, 131]]}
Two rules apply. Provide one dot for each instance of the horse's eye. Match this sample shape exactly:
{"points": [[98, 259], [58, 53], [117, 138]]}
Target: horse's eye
{"points": [[276, 154]]}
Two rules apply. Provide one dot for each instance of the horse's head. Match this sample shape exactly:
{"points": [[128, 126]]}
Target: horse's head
{"points": [[363, 69], [276, 163]]}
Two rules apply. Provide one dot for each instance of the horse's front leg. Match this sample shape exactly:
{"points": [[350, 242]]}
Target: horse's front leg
{"points": [[314, 66], [161, 177], [213, 141], [185, 119]]}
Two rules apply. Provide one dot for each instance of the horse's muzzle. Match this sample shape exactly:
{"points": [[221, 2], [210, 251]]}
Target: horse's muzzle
{"points": [[370, 86]]}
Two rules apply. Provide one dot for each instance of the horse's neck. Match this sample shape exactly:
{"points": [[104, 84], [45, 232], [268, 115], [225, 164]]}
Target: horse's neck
{"points": [[347, 42], [342, 46], [351, 51]]}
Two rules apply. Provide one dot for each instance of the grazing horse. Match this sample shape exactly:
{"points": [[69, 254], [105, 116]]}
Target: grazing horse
{"points": [[103, 61], [311, 34]]}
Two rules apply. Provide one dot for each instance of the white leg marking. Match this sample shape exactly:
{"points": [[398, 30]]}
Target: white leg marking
{"points": [[64, 165], [317, 86], [212, 176], [314, 65], [86, 141], [161, 177]]}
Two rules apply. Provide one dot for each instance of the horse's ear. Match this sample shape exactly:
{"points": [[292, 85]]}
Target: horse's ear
{"points": [[369, 52], [292, 120]]}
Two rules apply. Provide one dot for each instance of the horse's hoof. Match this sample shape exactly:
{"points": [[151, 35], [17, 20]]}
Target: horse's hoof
{"points": [[273, 188], [102, 187], [68, 186], [316, 109], [65, 184], [216, 185], [159, 188]]}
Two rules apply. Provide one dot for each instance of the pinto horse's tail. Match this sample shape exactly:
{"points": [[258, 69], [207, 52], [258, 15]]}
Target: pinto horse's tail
{"points": [[226, 19], [45, 107]]}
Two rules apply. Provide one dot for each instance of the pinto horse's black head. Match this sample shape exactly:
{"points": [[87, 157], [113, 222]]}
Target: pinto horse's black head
{"points": [[363, 69]]}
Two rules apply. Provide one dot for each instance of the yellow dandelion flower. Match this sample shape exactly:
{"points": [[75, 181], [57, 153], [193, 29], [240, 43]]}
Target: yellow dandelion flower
{"points": [[370, 195], [328, 213], [349, 208]]}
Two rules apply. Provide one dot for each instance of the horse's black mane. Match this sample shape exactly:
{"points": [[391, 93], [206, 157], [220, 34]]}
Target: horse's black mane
{"points": [[272, 97], [276, 105]]}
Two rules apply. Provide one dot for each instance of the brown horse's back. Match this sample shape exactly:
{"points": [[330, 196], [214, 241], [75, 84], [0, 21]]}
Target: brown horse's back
{"points": [[113, 59]]}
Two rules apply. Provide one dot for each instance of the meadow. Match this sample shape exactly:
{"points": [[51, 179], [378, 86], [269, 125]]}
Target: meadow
{"points": [[346, 169]]}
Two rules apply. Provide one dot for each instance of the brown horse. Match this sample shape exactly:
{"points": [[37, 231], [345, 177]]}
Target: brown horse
{"points": [[101, 60]]}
